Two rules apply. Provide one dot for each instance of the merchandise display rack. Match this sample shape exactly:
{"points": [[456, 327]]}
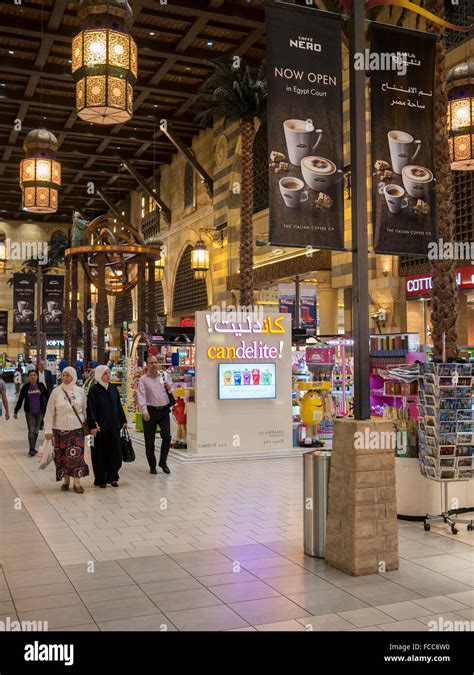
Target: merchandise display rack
{"points": [[446, 430]]}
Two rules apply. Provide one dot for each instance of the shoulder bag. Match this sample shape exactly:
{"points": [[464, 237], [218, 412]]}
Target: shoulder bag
{"points": [[128, 453], [171, 398], [84, 426]]}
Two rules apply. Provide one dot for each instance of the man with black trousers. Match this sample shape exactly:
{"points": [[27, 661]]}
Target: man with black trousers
{"points": [[154, 404], [45, 376]]}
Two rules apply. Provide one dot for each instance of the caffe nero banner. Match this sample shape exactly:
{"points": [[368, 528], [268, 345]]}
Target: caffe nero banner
{"points": [[305, 132], [53, 305], [402, 107], [3, 327], [24, 303]]}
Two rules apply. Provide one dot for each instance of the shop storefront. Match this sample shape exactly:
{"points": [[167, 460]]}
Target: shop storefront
{"points": [[417, 293]]}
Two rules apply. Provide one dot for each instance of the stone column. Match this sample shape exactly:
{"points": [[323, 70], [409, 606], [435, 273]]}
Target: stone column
{"points": [[328, 305], [74, 303], [141, 295], [87, 328], [101, 307], [151, 313], [362, 531], [67, 311]]}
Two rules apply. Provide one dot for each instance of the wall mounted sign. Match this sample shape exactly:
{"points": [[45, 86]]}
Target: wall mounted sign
{"points": [[419, 285]]}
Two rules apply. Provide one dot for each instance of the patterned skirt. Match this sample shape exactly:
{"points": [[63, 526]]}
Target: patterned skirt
{"points": [[69, 454]]}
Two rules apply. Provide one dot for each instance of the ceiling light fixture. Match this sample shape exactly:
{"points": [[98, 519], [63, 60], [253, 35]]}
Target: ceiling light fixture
{"points": [[40, 172], [104, 62]]}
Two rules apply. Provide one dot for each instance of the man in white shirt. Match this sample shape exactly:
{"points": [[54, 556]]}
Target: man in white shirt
{"points": [[154, 404]]}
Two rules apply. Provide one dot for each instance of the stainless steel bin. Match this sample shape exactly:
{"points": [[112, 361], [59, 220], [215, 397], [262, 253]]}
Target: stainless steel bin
{"points": [[316, 465]]}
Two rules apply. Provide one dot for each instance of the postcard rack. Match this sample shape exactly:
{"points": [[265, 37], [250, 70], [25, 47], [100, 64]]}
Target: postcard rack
{"points": [[446, 430]]}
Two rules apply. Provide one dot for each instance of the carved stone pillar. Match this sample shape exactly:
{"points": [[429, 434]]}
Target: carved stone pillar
{"points": [[74, 303], [101, 307]]}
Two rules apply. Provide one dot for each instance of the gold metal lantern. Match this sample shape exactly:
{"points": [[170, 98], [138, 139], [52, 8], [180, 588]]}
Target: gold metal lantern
{"points": [[40, 172], [461, 116], [104, 62], [200, 260]]}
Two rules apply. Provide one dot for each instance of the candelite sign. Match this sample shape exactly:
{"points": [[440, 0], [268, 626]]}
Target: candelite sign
{"points": [[254, 345], [305, 129]]}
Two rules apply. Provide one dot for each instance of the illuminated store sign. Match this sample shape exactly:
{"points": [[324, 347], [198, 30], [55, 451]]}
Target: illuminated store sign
{"points": [[420, 285], [255, 349]]}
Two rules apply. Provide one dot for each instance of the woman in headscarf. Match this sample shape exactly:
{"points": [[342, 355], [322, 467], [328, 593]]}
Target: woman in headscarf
{"points": [[66, 411], [106, 418]]}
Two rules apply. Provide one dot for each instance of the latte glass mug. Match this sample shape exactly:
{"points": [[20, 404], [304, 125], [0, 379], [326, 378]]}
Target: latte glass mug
{"points": [[301, 139], [403, 149]]}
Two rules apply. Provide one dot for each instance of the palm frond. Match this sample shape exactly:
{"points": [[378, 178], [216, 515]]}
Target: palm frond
{"points": [[233, 92]]}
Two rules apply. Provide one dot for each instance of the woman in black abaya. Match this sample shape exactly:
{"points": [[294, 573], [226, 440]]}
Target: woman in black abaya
{"points": [[105, 417]]}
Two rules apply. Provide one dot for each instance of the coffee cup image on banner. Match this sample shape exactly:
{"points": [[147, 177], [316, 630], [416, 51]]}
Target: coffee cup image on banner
{"points": [[305, 173], [403, 185]]}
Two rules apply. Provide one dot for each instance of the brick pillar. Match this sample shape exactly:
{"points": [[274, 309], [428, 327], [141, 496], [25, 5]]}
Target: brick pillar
{"points": [[362, 531]]}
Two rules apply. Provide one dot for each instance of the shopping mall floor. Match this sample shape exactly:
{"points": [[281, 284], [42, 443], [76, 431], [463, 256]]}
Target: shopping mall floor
{"points": [[213, 546]]}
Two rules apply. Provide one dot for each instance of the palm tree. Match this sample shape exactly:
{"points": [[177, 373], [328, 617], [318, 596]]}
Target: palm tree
{"points": [[235, 91], [444, 292]]}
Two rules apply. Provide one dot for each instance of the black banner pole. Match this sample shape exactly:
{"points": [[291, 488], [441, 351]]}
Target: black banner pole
{"points": [[360, 275]]}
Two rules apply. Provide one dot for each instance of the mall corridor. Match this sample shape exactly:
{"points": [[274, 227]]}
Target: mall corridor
{"points": [[212, 546]]}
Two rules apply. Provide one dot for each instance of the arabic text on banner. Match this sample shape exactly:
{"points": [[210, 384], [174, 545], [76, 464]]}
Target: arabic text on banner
{"points": [[402, 106]]}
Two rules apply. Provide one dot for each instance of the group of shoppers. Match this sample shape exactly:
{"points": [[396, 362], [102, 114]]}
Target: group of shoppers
{"points": [[69, 416]]}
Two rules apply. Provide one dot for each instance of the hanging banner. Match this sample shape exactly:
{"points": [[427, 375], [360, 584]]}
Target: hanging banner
{"points": [[53, 305], [24, 303], [305, 127], [4, 327], [286, 299], [402, 108], [308, 305]]}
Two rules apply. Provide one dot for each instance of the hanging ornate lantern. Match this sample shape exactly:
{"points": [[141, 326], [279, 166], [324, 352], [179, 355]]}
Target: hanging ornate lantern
{"points": [[461, 116], [104, 62], [200, 260], [40, 173]]}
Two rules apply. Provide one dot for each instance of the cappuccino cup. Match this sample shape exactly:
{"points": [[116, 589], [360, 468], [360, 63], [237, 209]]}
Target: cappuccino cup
{"points": [[320, 173], [51, 305], [292, 191], [21, 304], [301, 139], [417, 181], [395, 198], [403, 149]]}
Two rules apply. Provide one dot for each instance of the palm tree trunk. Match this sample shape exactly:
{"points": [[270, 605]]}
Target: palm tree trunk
{"points": [[67, 311], [246, 213], [444, 293]]}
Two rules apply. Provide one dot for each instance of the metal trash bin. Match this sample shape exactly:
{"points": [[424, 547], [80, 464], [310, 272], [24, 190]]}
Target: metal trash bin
{"points": [[316, 466]]}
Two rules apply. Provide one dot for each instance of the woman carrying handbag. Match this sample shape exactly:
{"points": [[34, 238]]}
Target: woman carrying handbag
{"points": [[64, 424], [106, 418]]}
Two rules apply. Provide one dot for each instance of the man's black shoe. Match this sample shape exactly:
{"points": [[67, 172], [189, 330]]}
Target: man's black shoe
{"points": [[164, 467], [154, 471]]}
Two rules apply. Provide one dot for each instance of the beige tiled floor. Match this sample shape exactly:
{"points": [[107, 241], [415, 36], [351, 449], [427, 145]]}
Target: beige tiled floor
{"points": [[213, 546]]}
